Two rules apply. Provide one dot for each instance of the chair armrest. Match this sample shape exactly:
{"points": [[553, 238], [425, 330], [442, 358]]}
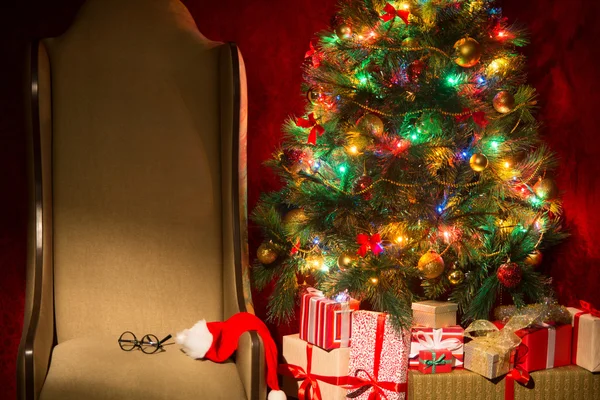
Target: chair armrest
{"points": [[38, 327], [250, 362]]}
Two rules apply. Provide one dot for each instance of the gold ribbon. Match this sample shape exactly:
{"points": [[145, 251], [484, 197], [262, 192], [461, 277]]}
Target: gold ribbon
{"points": [[491, 340]]}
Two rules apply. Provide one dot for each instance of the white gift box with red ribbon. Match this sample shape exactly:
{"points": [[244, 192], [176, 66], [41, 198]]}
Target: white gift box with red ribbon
{"points": [[424, 338]]}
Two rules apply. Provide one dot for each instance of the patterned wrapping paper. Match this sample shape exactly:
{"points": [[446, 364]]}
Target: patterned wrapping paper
{"points": [[586, 338], [324, 322], [449, 337], [563, 383], [486, 361], [393, 364], [542, 348], [332, 363], [434, 314]]}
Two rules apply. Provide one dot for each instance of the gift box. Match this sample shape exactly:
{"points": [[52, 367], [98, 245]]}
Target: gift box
{"points": [[488, 361], [324, 322], [434, 314], [423, 338], [436, 361], [379, 354], [586, 337], [563, 383], [320, 371], [543, 347]]}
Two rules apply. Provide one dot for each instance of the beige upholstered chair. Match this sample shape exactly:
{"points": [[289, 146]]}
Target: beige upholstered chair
{"points": [[138, 162]]}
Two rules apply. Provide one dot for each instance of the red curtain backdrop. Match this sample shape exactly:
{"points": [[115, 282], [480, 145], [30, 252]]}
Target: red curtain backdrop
{"points": [[273, 37]]}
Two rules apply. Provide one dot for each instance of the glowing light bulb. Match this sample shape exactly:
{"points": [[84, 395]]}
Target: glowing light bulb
{"points": [[414, 136], [501, 34], [440, 209], [316, 240], [399, 239], [506, 164], [342, 169], [405, 6], [324, 268], [353, 150], [494, 144], [374, 281]]}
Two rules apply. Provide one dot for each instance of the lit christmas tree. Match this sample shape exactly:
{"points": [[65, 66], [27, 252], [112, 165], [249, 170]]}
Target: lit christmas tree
{"points": [[417, 171]]}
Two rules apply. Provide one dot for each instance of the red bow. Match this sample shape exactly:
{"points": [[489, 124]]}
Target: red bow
{"points": [[377, 393], [368, 242], [588, 308], [391, 13], [478, 117], [316, 59], [310, 122]]}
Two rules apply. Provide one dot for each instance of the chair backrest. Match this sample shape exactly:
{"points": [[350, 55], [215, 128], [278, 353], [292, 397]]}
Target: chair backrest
{"points": [[137, 153]]}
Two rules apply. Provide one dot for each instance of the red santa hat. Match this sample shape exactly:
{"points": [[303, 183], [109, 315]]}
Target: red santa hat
{"points": [[217, 341]]}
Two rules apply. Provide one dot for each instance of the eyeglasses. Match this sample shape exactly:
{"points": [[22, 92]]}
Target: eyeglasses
{"points": [[149, 343]]}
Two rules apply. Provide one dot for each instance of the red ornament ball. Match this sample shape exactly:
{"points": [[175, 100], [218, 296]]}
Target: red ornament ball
{"points": [[361, 185], [414, 70], [291, 156], [509, 274]]}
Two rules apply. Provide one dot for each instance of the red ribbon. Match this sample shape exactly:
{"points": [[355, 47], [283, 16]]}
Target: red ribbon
{"points": [[391, 13], [310, 390], [311, 122], [368, 242], [478, 117], [516, 374], [586, 308]]}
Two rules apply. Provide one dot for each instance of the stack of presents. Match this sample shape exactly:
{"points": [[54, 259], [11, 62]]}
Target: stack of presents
{"points": [[344, 352]]}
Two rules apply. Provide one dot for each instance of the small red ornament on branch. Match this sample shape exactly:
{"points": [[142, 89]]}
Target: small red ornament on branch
{"points": [[509, 274], [311, 122], [367, 243], [314, 55], [391, 13]]}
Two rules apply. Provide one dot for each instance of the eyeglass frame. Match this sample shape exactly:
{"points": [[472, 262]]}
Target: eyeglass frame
{"points": [[154, 344]]}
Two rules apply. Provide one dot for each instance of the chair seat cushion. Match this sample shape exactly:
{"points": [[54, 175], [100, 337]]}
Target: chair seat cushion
{"points": [[91, 369]]}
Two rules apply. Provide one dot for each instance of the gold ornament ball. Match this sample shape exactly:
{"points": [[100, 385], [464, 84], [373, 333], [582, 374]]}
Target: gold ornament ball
{"points": [[431, 264], [456, 277], [534, 259], [344, 31], [545, 189], [468, 52], [504, 102], [296, 217], [315, 261], [345, 260], [410, 42], [478, 162], [371, 123], [313, 96], [266, 253]]}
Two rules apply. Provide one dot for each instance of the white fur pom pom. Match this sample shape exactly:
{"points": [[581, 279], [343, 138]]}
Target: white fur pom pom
{"points": [[276, 395], [196, 341]]}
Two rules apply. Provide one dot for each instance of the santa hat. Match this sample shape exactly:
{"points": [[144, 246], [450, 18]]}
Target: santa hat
{"points": [[217, 341]]}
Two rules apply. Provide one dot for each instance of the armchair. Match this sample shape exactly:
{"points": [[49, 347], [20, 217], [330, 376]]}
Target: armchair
{"points": [[138, 221]]}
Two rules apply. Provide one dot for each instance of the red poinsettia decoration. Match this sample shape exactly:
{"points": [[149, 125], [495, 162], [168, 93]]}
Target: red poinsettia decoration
{"points": [[314, 55], [478, 117], [311, 122], [367, 243]]}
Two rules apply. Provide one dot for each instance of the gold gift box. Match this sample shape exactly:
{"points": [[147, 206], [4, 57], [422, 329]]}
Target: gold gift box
{"points": [[434, 314], [486, 360], [564, 383]]}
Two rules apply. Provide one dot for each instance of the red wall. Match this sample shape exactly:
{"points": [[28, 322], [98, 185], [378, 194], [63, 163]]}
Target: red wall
{"points": [[273, 36]]}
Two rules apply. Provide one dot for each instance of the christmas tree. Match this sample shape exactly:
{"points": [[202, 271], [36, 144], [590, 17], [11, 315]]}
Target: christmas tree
{"points": [[417, 170]]}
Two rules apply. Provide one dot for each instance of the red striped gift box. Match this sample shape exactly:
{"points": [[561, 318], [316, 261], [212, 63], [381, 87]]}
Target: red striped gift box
{"points": [[324, 322]]}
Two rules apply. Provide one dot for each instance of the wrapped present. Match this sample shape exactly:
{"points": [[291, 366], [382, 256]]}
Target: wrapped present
{"points": [[542, 347], [490, 350], [586, 336], [423, 338], [434, 314], [379, 354], [324, 322], [311, 372], [565, 383], [436, 361]]}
